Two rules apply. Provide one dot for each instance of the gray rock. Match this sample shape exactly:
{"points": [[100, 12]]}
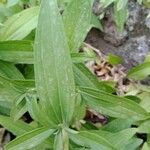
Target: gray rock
{"points": [[133, 44], [134, 51], [134, 15]]}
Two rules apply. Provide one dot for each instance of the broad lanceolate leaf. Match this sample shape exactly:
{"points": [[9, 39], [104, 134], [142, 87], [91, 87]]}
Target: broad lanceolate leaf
{"points": [[119, 139], [22, 52], [140, 72], [53, 65], [21, 86], [133, 144], [144, 127], [9, 70], [118, 125], [30, 139], [91, 140], [17, 51], [16, 127], [77, 22], [19, 25], [113, 105], [83, 77]]}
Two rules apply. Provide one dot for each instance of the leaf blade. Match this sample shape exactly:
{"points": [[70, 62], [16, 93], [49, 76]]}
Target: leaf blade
{"points": [[140, 72], [16, 127], [91, 140], [19, 25], [77, 21], [112, 105], [17, 51], [56, 89], [30, 139]]}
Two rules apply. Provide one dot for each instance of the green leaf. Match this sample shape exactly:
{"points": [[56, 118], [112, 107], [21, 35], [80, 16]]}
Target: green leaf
{"points": [[5, 107], [58, 142], [14, 91], [95, 22], [56, 90], [17, 51], [133, 144], [16, 127], [119, 139], [144, 127], [9, 70], [29, 72], [114, 59], [139, 1], [81, 57], [145, 102], [147, 58], [106, 3], [35, 112], [61, 141], [30, 139], [145, 146], [21, 86], [113, 105], [32, 106], [91, 140], [8, 92], [140, 72], [121, 4], [61, 2], [84, 148], [19, 110], [118, 125], [11, 3], [146, 3], [77, 22], [19, 25], [83, 77], [22, 52], [120, 17]]}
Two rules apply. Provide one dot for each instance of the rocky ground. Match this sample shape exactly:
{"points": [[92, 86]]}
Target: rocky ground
{"points": [[133, 44]]}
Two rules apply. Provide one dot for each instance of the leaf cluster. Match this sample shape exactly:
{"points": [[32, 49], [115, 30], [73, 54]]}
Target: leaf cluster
{"points": [[42, 74]]}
